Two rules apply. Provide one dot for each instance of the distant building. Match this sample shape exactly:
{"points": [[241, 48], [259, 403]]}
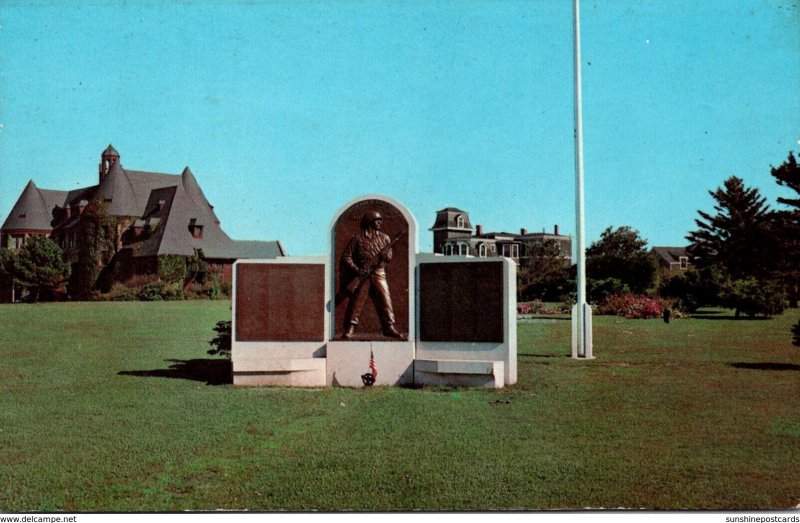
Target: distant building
{"points": [[156, 215], [672, 258], [453, 236]]}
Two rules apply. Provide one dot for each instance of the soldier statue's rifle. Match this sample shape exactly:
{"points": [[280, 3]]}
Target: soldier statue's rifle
{"points": [[368, 270]]}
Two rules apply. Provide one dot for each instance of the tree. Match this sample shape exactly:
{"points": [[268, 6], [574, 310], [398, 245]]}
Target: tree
{"points": [[740, 238], [9, 272], [544, 273], [753, 297], [788, 175], [693, 288], [788, 228], [42, 268], [621, 255]]}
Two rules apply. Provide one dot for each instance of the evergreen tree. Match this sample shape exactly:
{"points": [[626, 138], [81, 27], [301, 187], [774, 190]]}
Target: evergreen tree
{"points": [[740, 238], [788, 228], [621, 255], [788, 175]]}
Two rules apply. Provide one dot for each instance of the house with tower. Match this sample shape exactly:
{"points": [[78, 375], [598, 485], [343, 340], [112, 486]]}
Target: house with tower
{"points": [[453, 235], [152, 216]]}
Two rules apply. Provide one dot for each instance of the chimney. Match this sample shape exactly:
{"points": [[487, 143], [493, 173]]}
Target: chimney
{"points": [[523, 232], [555, 229], [478, 230]]}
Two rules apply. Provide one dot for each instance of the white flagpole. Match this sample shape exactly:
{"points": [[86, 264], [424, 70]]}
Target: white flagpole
{"points": [[581, 313]]}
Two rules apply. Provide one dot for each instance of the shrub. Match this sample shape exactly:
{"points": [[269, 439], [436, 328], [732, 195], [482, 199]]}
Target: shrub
{"points": [[143, 288], [633, 306], [753, 297], [537, 307], [599, 290], [120, 292], [222, 341], [693, 288], [153, 291]]}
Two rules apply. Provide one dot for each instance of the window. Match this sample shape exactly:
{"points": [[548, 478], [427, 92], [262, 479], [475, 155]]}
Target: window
{"points": [[460, 221], [482, 250], [511, 250], [19, 241], [463, 249], [684, 262], [448, 250], [195, 228]]}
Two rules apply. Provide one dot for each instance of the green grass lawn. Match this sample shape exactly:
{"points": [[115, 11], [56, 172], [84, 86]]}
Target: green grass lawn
{"points": [[108, 407]]}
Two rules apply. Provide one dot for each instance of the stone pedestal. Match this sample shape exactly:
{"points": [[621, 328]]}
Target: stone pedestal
{"points": [[468, 317], [423, 319], [279, 323], [348, 360]]}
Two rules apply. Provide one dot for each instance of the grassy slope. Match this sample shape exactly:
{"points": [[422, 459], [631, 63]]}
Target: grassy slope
{"points": [[701, 413]]}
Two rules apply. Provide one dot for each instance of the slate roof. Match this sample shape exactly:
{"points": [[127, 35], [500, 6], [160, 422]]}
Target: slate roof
{"points": [[34, 209], [446, 219], [670, 254], [173, 234], [110, 151], [168, 203], [258, 249]]}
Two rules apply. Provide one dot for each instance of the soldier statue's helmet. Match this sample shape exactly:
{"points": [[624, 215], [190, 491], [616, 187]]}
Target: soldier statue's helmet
{"points": [[369, 217]]}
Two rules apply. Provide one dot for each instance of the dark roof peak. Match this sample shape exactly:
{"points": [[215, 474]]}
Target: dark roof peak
{"points": [[110, 151], [187, 171], [33, 209]]}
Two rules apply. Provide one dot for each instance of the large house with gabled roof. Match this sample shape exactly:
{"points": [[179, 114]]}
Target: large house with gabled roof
{"points": [[155, 215]]}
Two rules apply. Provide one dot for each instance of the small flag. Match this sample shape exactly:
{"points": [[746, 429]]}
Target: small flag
{"points": [[372, 366], [369, 377]]}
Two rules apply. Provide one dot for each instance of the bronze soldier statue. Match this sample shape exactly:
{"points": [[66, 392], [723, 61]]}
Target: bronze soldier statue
{"points": [[365, 257]]}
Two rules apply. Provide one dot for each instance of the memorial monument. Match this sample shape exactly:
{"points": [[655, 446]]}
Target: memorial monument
{"points": [[374, 311]]}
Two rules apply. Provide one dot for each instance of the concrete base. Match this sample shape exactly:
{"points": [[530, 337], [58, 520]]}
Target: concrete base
{"points": [[587, 333], [348, 360], [280, 372], [459, 373]]}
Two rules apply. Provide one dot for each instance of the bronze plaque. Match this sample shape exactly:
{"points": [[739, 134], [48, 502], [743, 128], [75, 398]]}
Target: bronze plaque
{"points": [[280, 302], [461, 302], [371, 273]]}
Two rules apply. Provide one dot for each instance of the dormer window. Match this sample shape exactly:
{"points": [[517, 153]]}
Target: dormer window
{"points": [[460, 221], [195, 228], [684, 261]]}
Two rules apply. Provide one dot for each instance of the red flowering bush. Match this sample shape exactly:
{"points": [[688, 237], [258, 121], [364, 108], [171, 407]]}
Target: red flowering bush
{"points": [[537, 307], [633, 306]]}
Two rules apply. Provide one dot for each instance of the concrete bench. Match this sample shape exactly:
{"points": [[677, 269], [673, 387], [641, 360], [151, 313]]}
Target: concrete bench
{"points": [[286, 372], [460, 373]]}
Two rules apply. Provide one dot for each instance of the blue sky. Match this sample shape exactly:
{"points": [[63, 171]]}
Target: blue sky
{"points": [[286, 110]]}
